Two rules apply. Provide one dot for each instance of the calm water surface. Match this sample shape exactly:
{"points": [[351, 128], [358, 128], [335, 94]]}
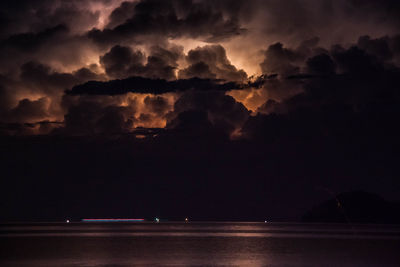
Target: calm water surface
{"points": [[198, 244]]}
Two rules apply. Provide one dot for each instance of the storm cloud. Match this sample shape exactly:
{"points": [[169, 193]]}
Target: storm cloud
{"points": [[193, 19], [253, 98]]}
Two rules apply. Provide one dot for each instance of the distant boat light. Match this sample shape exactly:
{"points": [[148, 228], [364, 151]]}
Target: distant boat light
{"points": [[67, 221], [112, 220]]}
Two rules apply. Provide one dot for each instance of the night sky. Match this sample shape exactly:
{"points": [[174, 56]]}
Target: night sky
{"points": [[212, 110]]}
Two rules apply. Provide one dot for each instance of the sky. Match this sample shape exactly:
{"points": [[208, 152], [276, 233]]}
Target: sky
{"points": [[215, 110]]}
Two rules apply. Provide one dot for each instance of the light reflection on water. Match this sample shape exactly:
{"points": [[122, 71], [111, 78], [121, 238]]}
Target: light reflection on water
{"points": [[198, 244]]}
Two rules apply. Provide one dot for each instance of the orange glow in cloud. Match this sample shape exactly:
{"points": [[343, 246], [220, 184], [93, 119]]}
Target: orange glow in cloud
{"points": [[238, 55], [104, 8], [143, 115], [251, 98]]}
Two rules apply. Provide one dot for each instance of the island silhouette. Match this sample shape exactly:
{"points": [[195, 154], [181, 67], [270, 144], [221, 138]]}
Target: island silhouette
{"points": [[355, 207]]}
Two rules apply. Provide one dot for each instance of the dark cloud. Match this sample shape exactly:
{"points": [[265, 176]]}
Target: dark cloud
{"points": [[395, 46], [323, 78], [223, 112], [114, 114], [149, 86], [271, 106], [27, 17], [356, 60], [384, 11], [324, 110], [122, 62], [94, 118], [199, 70], [279, 60], [7, 86], [29, 42], [121, 14], [45, 79], [45, 85], [378, 47], [363, 81], [28, 110], [88, 73], [211, 62], [333, 21], [170, 19], [156, 104], [196, 125], [28, 129], [162, 63], [287, 61], [309, 67], [321, 64]]}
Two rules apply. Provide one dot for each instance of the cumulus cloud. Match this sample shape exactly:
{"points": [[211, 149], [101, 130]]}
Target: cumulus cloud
{"points": [[34, 16], [211, 62], [34, 95], [58, 50], [170, 19], [43, 78], [321, 64], [121, 14], [28, 110], [114, 114], [122, 62], [343, 86], [286, 61], [92, 118], [214, 109], [136, 108], [31, 41], [157, 104]]}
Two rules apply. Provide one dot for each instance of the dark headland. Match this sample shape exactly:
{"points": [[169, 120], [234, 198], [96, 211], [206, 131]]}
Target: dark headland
{"points": [[355, 207]]}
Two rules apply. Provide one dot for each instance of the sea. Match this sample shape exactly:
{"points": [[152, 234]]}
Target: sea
{"points": [[198, 244]]}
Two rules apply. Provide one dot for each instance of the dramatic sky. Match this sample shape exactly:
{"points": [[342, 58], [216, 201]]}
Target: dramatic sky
{"points": [[210, 109]]}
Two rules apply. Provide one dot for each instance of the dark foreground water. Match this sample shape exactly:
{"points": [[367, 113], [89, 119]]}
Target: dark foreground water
{"points": [[198, 244]]}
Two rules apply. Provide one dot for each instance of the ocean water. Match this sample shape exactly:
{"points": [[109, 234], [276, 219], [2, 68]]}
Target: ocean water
{"points": [[198, 244]]}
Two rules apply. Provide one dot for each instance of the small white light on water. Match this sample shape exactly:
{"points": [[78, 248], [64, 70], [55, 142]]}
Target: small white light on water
{"points": [[67, 221]]}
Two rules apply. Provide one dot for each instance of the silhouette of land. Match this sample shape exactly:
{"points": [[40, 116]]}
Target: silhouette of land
{"points": [[355, 207]]}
